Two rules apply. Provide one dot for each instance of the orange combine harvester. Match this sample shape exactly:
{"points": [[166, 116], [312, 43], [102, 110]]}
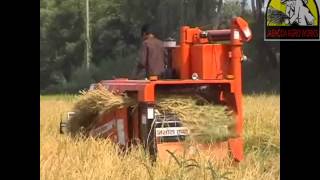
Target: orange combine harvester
{"points": [[204, 58]]}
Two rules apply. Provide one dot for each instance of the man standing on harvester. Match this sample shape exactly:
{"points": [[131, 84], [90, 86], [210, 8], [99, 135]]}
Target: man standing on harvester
{"points": [[152, 56]]}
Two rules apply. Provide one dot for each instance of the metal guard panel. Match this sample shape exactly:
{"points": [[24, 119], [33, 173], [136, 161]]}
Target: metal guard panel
{"points": [[146, 88]]}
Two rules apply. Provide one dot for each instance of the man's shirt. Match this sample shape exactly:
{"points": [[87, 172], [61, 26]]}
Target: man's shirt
{"points": [[152, 57]]}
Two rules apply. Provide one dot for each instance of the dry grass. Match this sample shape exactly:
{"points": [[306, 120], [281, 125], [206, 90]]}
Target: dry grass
{"points": [[64, 158]]}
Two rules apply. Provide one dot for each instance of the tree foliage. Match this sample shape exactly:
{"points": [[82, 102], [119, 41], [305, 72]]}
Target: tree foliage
{"points": [[115, 33]]}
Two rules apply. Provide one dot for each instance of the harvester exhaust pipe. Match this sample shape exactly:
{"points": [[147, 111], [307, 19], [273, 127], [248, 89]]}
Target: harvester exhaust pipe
{"points": [[216, 35]]}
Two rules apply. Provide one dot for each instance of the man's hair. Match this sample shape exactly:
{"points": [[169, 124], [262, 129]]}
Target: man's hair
{"points": [[145, 29]]}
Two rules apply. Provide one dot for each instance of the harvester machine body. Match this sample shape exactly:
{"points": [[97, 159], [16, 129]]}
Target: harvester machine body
{"points": [[197, 61]]}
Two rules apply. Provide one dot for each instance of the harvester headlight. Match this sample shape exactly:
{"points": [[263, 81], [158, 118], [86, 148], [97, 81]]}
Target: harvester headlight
{"points": [[244, 58], [195, 76], [150, 113]]}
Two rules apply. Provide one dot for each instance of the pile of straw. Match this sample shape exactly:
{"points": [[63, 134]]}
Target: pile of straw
{"points": [[207, 122], [91, 105]]}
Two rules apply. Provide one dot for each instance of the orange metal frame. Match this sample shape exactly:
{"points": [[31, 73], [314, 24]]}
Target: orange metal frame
{"points": [[215, 64]]}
